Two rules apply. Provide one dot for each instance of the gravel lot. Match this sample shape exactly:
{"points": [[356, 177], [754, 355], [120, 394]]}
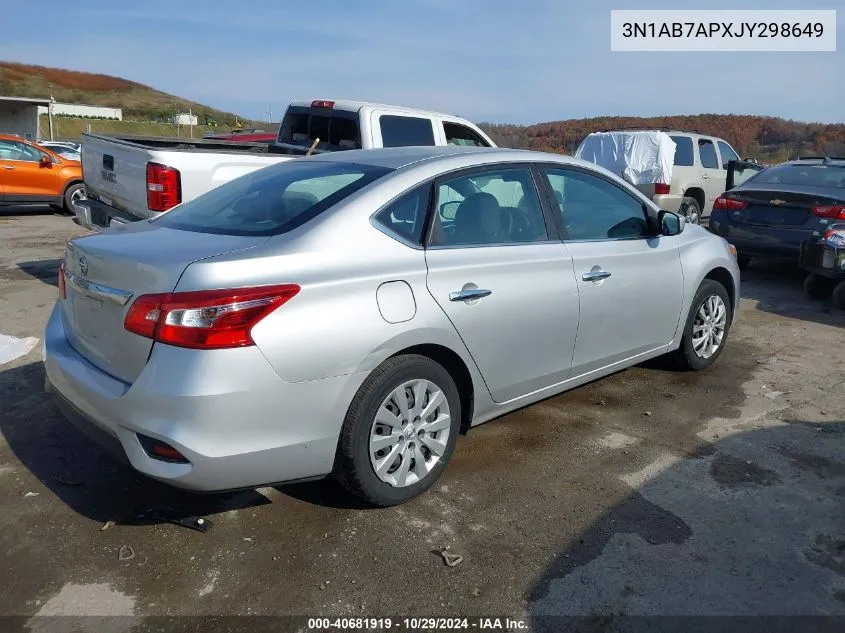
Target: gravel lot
{"points": [[650, 492]]}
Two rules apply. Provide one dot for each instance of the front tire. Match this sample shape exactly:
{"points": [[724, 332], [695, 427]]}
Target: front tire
{"points": [[817, 287], [706, 328], [400, 431]]}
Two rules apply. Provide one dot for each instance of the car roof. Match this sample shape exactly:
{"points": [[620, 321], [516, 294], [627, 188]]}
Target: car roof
{"points": [[398, 157], [669, 132], [355, 106], [817, 160]]}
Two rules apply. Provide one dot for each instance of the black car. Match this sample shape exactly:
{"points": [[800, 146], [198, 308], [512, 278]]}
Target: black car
{"points": [[778, 208]]}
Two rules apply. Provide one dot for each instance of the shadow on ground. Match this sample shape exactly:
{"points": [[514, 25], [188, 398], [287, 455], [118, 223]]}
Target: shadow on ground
{"points": [[46, 270], [778, 287], [749, 526], [78, 472]]}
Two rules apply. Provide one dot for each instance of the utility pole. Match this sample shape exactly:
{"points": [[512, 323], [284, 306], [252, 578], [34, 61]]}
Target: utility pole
{"points": [[50, 111], [270, 112]]}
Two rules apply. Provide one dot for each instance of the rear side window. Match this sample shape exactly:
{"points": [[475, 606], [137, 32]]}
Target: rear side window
{"points": [[405, 131], [727, 154], [457, 134], [272, 200], [405, 217], [707, 153], [683, 151]]}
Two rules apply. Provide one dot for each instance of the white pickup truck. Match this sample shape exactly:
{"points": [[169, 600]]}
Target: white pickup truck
{"points": [[134, 178]]}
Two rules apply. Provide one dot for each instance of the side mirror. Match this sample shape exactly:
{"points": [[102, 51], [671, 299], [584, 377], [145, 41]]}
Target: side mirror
{"points": [[45, 161], [671, 223]]}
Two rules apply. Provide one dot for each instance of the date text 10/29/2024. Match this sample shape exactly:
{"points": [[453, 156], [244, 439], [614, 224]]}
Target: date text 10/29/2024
{"points": [[416, 624]]}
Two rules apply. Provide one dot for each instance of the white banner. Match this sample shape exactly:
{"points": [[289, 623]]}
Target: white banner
{"points": [[723, 30]]}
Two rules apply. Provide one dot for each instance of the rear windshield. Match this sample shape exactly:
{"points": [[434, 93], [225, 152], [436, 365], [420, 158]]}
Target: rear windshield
{"points": [[336, 129], [273, 200], [683, 151], [802, 175]]}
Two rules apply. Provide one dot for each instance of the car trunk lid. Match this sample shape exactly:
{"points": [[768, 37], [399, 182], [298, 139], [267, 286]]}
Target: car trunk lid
{"points": [[778, 208], [105, 272]]}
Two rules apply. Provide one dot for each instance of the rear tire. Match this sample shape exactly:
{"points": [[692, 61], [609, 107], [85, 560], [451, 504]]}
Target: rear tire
{"points": [[691, 210], [817, 287], [74, 193], [838, 296], [706, 328], [407, 467]]}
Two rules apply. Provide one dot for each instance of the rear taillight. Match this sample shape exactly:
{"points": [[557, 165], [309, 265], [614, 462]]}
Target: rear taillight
{"points": [[834, 211], [164, 187], [205, 319], [62, 287], [660, 188], [730, 204]]}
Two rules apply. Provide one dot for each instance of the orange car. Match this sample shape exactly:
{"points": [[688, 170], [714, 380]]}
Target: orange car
{"points": [[30, 174]]}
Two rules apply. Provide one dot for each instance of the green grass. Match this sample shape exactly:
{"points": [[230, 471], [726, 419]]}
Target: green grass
{"points": [[70, 129]]}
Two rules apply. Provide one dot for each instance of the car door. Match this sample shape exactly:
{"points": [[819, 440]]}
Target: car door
{"points": [[711, 173], [630, 283], [24, 176], [498, 271], [738, 171]]}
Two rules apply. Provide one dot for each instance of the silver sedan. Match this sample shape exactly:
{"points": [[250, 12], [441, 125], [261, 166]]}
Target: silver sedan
{"points": [[352, 313]]}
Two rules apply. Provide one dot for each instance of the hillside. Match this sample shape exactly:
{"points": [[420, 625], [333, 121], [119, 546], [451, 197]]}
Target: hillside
{"points": [[139, 102], [764, 138]]}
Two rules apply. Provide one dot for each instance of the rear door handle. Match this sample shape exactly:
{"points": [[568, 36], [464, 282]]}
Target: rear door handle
{"points": [[705, 177], [470, 294], [9, 167], [595, 275]]}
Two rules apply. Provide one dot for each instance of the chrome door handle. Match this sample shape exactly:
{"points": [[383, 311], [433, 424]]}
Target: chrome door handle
{"points": [[595, 275], [470, 294], [9, 167], [705, 177]]}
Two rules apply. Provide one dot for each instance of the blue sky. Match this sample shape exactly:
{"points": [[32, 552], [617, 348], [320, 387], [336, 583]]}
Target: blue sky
{"points": [[519, 61]]}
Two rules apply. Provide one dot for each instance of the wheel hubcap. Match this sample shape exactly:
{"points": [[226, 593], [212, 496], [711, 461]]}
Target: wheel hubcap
{"points": [[708, 328], [409, 433], [77, 195]]}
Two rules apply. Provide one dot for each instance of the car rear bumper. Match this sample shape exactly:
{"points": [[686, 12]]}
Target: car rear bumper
{"points": [[235, 420], [752, 239], [95, 215], [668, 201]]}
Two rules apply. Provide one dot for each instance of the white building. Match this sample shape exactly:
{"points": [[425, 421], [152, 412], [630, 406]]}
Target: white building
{"points": [[82, 111], [19, 115], [184, 118]]}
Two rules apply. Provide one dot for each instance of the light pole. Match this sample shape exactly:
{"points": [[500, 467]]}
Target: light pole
{"points": [[50, 111]]}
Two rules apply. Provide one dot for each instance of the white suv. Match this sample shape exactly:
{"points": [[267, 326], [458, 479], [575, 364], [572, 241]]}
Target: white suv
{"points": [[699, 171]]}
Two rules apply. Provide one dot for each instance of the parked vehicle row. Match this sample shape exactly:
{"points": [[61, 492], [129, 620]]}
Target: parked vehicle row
{"points": [[132, 178], [36, 174], [349, 313]]}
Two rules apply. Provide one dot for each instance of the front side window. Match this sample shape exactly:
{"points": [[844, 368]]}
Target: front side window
{"points": [[15, 150], [592, 208], [405, 131], [727, 154], [491, 207], [272, 200], [707, 153], [405, 217], [683, 151], [457, 134]]}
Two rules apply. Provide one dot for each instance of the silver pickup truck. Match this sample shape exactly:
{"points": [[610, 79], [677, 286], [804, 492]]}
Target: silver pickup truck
{"points": [[133, 178]]}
